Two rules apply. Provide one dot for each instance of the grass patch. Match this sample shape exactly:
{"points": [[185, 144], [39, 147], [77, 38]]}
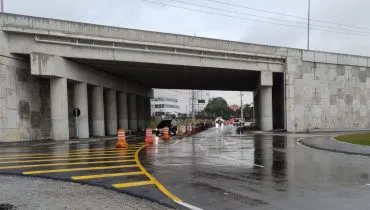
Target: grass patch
{"points": [[359, 138]]}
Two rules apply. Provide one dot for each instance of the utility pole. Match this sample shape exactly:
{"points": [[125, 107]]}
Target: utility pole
{"points": [[2, 6], [193, 105], [308, 24], [241, 105]]}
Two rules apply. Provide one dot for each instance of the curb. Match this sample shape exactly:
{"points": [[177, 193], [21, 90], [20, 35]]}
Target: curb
{"points": [[329, 149]]}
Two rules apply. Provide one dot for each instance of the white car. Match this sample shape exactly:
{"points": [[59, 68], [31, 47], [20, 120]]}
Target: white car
{"points": [[219, 122]]}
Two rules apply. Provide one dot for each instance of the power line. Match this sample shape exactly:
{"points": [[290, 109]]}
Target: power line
{"points": [[278, 13], [242, 18], [259, 16]]}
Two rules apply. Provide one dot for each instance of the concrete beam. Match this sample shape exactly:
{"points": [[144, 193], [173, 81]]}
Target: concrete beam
{"points": [[266, 78], [52, 65], [59, 108]]}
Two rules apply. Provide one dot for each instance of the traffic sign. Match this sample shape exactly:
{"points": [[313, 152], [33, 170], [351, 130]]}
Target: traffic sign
{"points": [[76, 112]]}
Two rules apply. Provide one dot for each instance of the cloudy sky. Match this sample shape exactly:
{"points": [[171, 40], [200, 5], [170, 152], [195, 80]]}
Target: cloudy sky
{"points": [[270, 22]]}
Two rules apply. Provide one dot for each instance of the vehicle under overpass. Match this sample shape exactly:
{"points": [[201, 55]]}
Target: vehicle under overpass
{"points": [[50, 66]]}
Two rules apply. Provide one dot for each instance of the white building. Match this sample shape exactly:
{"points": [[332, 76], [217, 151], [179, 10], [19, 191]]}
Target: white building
{"points": [[162, 106]]}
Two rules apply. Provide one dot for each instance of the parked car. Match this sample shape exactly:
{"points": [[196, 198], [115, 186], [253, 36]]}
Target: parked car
{"points": [[171, 124]]}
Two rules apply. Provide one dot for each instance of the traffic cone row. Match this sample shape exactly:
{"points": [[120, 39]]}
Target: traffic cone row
{"points": [[148, 136]]}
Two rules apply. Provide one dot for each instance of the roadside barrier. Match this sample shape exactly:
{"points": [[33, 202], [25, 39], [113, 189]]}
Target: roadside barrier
{"points": [[121, 139], [148, 136], [179, 130], [166, 134]]}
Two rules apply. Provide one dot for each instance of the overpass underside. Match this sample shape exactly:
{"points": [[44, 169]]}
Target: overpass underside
{"points": [[48, 67]]}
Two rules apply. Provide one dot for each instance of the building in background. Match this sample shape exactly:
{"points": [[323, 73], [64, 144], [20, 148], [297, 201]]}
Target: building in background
{"points": [[165, 107]]}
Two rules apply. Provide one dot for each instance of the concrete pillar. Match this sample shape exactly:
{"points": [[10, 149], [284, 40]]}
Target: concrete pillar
{"points": [[97, 112], [132, 113], [111, 112], [80, 101], [122, 111], [147, 112], [141, 112], [59, 108], [265, 108]]}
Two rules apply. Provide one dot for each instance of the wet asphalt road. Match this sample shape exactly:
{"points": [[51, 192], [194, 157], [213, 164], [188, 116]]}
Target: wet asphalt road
{"points": [[219, 169]]}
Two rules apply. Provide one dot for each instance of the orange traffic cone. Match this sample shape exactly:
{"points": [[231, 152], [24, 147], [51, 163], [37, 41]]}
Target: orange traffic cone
{"points": [[166, 134], [121, 139], [148, 136]]}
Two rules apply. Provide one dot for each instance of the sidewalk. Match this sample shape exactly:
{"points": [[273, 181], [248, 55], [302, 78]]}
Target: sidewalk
{"points": [[330, 144]]}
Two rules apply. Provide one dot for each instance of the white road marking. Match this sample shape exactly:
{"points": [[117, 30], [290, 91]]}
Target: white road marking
{"points": [[201, 147], [367, 184], [188, 205], [175, 142], [228, 158]]}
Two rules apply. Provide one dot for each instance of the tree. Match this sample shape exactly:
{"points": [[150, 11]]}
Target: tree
{"points": [[217, 107], [247, 111]]}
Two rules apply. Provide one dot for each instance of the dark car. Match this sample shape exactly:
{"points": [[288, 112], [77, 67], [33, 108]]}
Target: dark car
{"points": [[171, 124]]}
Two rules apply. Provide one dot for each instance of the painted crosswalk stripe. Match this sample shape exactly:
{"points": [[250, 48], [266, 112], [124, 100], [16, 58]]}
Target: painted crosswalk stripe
{"points": [[132, 184], [96, 176], [65, 164], [68, 158], [51, 154], [76, 169]]}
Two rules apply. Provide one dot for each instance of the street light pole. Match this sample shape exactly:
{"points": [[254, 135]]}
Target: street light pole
{"points": [[241, 105], [308, 24], [2, 6]]}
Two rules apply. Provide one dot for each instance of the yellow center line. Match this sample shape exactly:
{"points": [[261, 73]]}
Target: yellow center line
{"points": [[67, 156], [72, 153], [76, 169], [132, 184], [63, 159], [152, 179], [64, 164], [96, 176]]}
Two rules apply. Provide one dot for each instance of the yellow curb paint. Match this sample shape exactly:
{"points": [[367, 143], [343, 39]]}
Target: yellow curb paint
{"points": [[132, 184], [96, 176], [76, 169], [152, 179], [64, 164], [67, 158]]}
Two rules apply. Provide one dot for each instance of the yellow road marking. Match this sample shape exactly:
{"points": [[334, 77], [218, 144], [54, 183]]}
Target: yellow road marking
{"points": [[96, 176], [132, 184], [67, 156], [51, 154], [100, 150], [60, 159], [65, 164], [152, 179], [76, 169]]}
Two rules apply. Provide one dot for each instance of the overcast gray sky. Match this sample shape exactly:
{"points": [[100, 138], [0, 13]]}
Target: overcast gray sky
{"points": [[141, 14]]}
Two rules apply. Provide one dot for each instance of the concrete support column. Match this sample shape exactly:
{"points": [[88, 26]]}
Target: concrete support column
{"points": [[111, 112], [122, 111], [59, 108], [97, 112], [141, 112], [132, 110], [80, 101], [147, 112], [266, 108]]}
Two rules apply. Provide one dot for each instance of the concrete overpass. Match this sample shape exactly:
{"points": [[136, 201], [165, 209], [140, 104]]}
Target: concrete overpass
{"points": [[50, 66]]}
